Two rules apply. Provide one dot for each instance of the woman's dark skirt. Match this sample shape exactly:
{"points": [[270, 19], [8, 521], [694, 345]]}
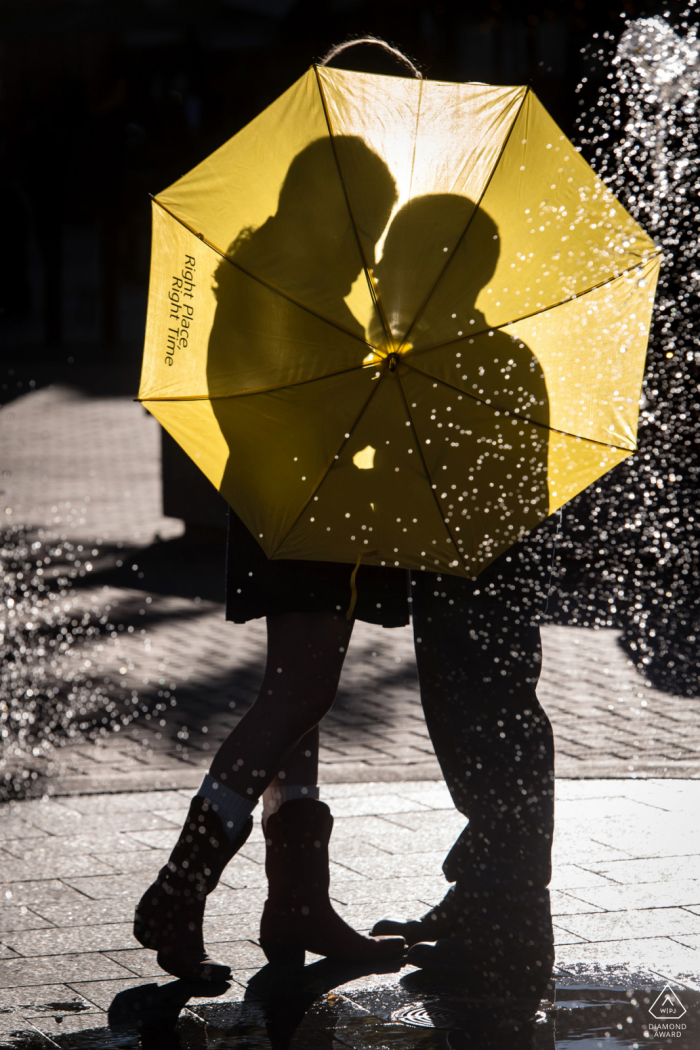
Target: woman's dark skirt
{"points": [[256, 586]]}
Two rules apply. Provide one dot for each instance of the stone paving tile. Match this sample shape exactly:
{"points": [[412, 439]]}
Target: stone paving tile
{"points": [[129, 802], [573, 876], [100, 887], [60, 1027], [569, 904], [381, 890], [661, 954], [624, 925], [363, 916], [644, 895], [363, 805], [449, 822], [651, 869], [58, 968], [68, 865], [562, 936], [20, 918], [88, 912], [33, 1000], [100, 994], [56, 845], [33, 894], [231, 927], [136, 860], [77, 482], [582, 849], [140, 961], [71, 940], [13, 827], [374, 864]]}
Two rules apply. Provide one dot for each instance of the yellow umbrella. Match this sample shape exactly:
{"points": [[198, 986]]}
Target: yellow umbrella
{"points": [[397, 319]]}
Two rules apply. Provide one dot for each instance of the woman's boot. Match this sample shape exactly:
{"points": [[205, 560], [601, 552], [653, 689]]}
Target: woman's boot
{"points": [[298, 915], [169, 916]]}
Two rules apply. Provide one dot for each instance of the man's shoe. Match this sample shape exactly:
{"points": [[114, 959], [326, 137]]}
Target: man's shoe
{"points": [[509, 943], [441, 921]]}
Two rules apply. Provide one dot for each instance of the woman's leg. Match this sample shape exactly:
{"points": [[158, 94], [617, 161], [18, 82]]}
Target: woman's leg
{"points": [[304, 660]]}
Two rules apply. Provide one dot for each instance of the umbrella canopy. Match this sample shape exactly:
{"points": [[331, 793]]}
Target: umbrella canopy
{"points": [[397, 319]]}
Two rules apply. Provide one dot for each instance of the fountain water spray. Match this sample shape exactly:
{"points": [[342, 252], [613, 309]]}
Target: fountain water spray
{"points": [[640, 566]]}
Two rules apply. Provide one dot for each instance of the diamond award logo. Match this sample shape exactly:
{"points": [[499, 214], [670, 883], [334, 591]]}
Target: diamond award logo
{"points": [[667, 1007]]}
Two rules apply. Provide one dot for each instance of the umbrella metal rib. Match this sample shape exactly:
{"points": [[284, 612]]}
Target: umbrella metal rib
{"points": [[477, 205]]}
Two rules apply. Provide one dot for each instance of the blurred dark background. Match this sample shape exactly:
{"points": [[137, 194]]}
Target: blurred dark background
{"points": [[104, 102]]}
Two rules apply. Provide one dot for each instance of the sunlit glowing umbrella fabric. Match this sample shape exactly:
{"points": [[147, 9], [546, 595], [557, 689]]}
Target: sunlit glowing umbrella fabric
{"points": [[397, 318]]}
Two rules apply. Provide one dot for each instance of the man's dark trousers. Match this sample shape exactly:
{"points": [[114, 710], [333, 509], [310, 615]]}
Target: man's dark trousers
{"points": [[479, 656]]}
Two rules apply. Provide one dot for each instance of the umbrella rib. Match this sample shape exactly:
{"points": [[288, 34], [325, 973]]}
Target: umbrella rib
{"points": [[368, 275], [261, 280], [329, 466], [433, 489], [517, 415], [258, 390], [544, 310], [477, 205]]}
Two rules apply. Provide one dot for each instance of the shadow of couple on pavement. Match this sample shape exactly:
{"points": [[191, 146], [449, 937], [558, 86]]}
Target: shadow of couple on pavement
{"points": [[299, 1009]]}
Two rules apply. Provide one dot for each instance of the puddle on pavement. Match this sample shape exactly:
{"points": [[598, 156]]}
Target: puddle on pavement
{"points": [[407, 1011]]}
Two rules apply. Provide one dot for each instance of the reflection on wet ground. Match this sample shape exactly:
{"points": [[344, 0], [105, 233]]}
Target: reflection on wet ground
{"points": [[329, 1006]]}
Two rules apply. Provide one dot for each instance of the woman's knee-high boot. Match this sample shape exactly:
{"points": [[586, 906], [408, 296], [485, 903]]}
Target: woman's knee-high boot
{"points": [[298, 914], [169, 916]]}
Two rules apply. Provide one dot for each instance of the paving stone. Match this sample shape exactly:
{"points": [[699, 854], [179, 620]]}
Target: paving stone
{"points": [[626, 925], [136, 861], [573, 848], [41, 999], [231, 927], [569, 904], [49, 891], [374, 864], [562, 936], [58, 969], [87, 912], [70, 940], [13, 917], [380, 890], [363, 805], [363, 916], [63, 1026], [128, 802], [101, 994], [652, 869], [51, 865], [643, 896], [139, 961], [661, 954], [129, 822], [450, 822], [573, 876], [55, 845], [14, 827], [101, 887]]}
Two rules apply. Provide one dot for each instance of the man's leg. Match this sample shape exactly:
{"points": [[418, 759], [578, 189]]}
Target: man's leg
{"points": [[478, 663], [479, 656]]}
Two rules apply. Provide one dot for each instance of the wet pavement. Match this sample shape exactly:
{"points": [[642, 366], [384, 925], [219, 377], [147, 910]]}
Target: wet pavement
{"points": [[625, 908], [87, 467], [626, 886]]}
